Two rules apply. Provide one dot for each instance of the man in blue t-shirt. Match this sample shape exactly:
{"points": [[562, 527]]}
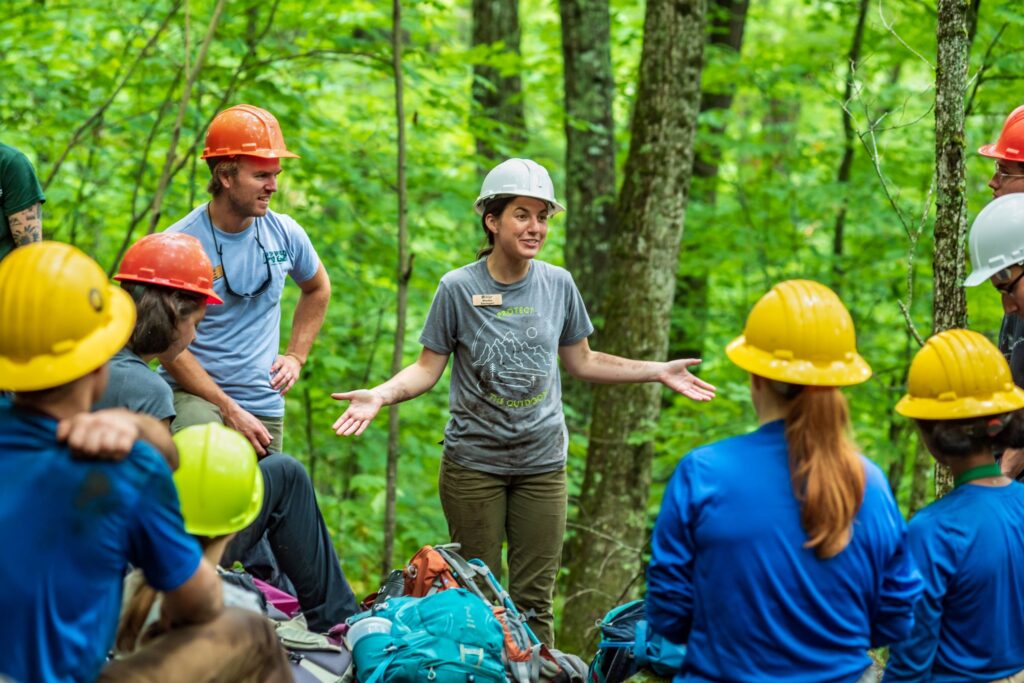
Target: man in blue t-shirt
{"points": [[84, 497], [233, 371]]}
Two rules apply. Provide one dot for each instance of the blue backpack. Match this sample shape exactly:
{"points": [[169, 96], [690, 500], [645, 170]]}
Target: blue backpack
{"points": [[628, 645], [449, 637]]}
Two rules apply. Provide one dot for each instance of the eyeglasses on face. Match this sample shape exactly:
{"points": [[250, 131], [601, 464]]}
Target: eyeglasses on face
{"points": [[1006, 284], [1002, 175]]}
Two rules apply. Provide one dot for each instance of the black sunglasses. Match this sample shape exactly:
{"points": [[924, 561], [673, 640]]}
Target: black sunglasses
{"points": [[224, 272]]}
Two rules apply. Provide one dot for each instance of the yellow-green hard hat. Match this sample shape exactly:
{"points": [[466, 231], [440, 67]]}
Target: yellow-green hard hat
{"points": [[219, 482], [60, 317], [800, 333], [959, 374]]}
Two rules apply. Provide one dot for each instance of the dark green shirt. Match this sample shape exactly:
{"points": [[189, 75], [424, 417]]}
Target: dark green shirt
{"points": [[19, 189]]}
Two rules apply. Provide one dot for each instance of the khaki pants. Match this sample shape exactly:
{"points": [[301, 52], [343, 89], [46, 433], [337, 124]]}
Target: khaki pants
{"points": [[483, 510], [192, 410], [237, 647]]}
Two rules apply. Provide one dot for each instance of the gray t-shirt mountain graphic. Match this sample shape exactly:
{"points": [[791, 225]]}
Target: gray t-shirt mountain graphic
{"points": [[512, 362], [506, 395]]}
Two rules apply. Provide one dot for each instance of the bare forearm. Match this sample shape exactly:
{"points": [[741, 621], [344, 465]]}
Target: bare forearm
{"points": [[191, 377], [306, 324], [309, 315], [27, 226], [158, 435], [604, 368], [199, 600], [410, 382]]}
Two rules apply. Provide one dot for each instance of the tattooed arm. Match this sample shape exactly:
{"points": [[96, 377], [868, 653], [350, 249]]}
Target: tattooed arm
{"points": [[27, 225]]}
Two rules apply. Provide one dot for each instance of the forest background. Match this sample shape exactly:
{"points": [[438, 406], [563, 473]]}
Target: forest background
{"points": [[814, 156]]}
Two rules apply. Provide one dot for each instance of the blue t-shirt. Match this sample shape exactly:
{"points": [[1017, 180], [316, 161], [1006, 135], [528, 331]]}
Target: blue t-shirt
{"points": [[134, 386], [68, 529], [239, 339], [731, 578], [969, 625]]}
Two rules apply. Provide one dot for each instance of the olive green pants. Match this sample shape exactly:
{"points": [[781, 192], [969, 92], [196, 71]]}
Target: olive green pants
{"points": [[192, 410], [528, 511]]}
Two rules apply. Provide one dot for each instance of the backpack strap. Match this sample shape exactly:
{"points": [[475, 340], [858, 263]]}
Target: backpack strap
{"points": [[378, 673], [640, 645]]}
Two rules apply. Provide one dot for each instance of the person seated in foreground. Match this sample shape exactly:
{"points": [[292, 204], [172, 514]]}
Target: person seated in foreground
{"points": [[221, 491], [969, 544], [83, 495], [169, 277]]}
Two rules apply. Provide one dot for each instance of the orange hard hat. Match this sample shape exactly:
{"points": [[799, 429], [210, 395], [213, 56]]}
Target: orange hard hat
{"points": [[245, 129], [1010, 145], [170, 259]]}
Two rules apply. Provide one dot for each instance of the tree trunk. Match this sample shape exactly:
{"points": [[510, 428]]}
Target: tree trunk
{"points": [[651, 209], [589, 166], [403, 270], [498, 121], [950, 304], [846, 162], [726, 23], [727, 20]]}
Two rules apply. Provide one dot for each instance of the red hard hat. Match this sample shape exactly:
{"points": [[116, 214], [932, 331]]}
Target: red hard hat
{"points": [[170, 259], [245, 129], [1010, 145]]}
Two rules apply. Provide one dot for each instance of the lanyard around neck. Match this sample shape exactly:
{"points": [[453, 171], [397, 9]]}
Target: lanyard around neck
{"points": [[990, 470]]}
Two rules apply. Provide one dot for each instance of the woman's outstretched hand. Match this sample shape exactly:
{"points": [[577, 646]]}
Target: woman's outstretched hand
{"points": [[676, 376], [364, 404]]}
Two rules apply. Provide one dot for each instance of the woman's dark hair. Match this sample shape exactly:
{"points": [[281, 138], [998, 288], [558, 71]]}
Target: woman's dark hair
{"points": [[159, 311], [496, 206], [960, 438]]}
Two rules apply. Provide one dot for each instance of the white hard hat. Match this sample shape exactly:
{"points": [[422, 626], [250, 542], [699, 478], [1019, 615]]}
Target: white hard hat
{"points": [[518, 178], [997, 238]]}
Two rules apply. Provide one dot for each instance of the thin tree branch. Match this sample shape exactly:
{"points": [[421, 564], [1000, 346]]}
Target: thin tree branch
{"points": [[186, 94], [80, 132], [979, 77], [889, 27]]}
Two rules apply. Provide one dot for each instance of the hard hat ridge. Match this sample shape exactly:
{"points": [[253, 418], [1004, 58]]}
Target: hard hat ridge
{"points": [[61, 318], [518, 178], [800, 333]]}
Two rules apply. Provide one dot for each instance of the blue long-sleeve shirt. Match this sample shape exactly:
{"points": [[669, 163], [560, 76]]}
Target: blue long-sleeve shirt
{"points": [[730, 575], [969, 625]]}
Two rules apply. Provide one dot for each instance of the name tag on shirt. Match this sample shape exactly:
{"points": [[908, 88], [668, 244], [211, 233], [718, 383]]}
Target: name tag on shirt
{"points": [[218, 271], [487, 299]]}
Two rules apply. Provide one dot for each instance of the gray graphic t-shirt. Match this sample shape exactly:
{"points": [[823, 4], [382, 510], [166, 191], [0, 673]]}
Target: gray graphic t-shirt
{"points": [[506, 395]]}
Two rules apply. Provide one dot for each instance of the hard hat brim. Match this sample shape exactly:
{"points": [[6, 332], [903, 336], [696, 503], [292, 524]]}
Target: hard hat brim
{"points": [[261, 153], [991, 150], [978, 277], [211, 296], [996, 403], [825, 373], [478, 205], [52, 370]]}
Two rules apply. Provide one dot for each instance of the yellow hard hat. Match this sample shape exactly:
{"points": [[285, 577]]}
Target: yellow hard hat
{"points": [[959, 374], [800, 333], [219, 482], [61, 318]]}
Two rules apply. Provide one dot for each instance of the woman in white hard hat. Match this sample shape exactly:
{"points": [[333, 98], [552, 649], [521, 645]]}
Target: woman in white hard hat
{"points": [[780, 555], [969, 544], [507, 317]]}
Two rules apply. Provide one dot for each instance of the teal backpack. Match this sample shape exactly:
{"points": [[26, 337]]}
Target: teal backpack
{"points": [[449, 637]]}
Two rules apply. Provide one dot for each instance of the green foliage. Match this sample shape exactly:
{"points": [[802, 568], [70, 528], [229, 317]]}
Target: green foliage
{"points": [[94, 107]]}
